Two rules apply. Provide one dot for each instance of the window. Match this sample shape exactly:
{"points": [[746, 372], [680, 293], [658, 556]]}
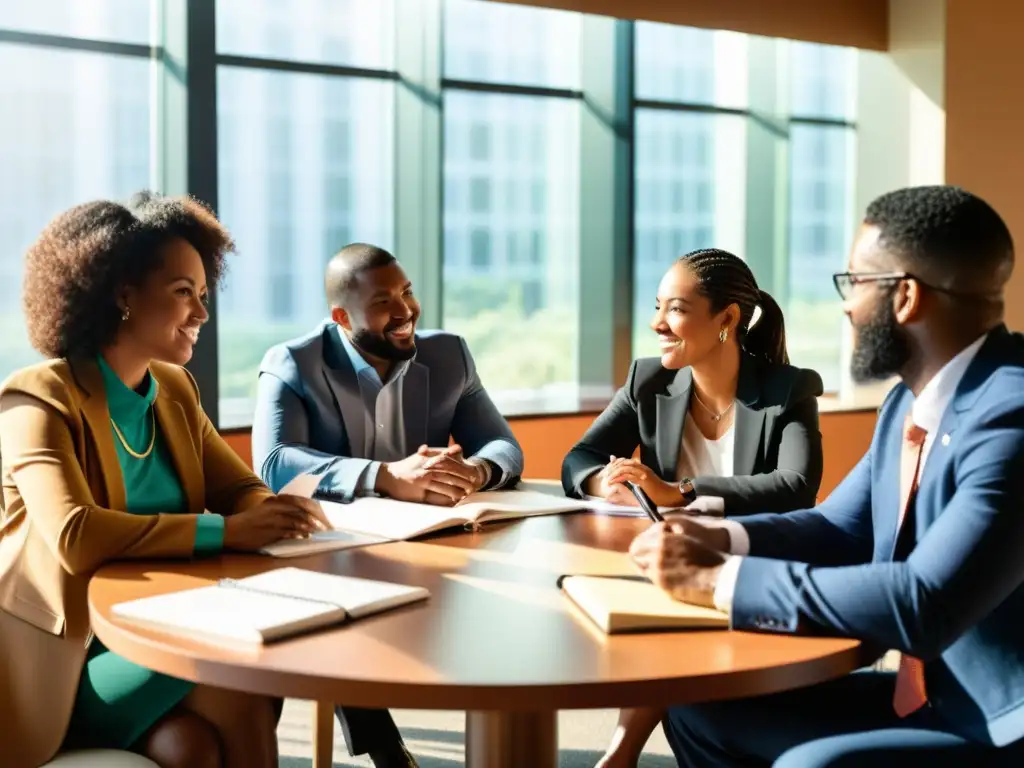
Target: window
{"points": [[822, 81], [336, 237], [304, 144], [75, 128], [493, 296], [538, 195], [353, 33], [122, 21], [492, 42], [821, 227], [696, 200], [479, 142], [479, 195], [692, 66], [480, 249], [741, 142], [694, 169]]}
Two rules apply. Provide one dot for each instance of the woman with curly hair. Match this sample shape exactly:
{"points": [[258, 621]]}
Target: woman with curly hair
{"points": [[107, 455]]}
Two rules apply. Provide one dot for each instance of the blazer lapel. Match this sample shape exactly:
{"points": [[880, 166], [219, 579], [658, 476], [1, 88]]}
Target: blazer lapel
{"points": [[749, 424], [670, 413], [97, 416], [748, 420], [185, 455], [415, 401], [341, 380]]}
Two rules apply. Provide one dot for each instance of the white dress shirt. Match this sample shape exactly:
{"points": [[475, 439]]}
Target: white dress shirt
{"points": [[700, 456], [926, 412]]}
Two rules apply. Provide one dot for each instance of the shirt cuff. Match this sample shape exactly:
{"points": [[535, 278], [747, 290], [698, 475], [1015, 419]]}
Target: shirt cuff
{"points": [[707, 505], [478, 462], [739, 539], [368, 482], [209, 534], [726, 586]]}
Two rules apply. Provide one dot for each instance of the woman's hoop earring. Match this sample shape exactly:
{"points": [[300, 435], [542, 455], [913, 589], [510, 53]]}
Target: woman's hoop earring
{"points": [[723, 336], [126, 314]]}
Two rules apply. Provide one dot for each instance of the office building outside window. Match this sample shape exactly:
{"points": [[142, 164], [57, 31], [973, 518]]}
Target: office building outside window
{"points": [[305, 167], [511, 197], [76, 127]]}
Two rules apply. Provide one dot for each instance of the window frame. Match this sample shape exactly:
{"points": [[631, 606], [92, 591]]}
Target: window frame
{"points": [[186, 62]]}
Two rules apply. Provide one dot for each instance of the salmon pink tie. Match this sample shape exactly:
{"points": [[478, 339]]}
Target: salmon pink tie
{"points": [[910, 693]]}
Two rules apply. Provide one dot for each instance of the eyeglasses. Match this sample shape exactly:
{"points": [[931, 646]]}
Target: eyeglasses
{"points": [[846, 281]]}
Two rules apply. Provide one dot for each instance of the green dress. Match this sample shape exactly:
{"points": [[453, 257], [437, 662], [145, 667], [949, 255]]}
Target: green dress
{"points": [[119, 701]]}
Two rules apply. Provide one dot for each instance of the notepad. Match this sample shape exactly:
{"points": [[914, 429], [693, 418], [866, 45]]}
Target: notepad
{"points": [[267, 607], [401, 520], [633, 604]]}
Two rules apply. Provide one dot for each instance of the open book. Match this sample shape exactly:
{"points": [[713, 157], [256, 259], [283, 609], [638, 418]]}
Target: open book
{"points": [[266, 607], [320, 541], [633, 604], [399, 520]]}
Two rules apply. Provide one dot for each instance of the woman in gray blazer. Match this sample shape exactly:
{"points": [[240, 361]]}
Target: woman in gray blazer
{"points": [[721, 414], [723, 423]]}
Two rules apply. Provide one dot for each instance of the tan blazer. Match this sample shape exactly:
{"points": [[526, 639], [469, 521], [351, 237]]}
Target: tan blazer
{"points": [[64, 499]]}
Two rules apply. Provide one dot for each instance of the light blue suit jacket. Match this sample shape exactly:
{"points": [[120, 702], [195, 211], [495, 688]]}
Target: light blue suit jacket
{"points": [[311, 416], [957, 601]]}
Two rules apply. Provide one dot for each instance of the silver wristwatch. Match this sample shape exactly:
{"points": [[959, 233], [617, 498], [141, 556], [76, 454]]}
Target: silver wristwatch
{"points": [[687, 491]]}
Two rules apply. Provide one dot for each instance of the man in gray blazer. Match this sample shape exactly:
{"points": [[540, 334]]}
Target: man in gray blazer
{"points": [[369, 405]]}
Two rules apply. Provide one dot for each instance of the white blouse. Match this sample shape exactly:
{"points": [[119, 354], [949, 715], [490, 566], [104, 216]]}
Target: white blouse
{"points": [[701, 457]]}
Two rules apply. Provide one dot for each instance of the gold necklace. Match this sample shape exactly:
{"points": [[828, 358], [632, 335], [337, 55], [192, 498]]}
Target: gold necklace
{"points": [[714, 416], [152, 437]]}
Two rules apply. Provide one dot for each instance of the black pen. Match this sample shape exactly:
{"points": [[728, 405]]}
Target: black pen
{"points": [[645, 502]]}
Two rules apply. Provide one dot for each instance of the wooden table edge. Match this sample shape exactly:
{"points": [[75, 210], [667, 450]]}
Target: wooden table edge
{"points": [[159, 654]]}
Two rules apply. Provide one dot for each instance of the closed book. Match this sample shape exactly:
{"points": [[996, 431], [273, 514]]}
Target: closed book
{"points": [[633, 604]]}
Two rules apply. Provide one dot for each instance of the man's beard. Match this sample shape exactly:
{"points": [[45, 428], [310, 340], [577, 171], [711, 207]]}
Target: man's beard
{"points": [[881, 348], [377, 344]]}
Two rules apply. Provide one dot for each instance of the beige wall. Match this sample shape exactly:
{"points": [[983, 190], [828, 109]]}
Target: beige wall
{"points": [[984, 99], [858, 23]]}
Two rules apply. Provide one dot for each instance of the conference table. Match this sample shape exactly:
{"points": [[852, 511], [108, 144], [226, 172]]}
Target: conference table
{"points": [[496, 638]]}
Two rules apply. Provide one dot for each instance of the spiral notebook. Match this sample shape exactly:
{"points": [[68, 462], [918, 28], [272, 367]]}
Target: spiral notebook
{"points": [[266, 607]]}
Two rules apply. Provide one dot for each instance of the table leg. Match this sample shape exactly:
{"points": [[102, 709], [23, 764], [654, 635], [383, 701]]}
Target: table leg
{"points": [[511, 739], [323, 734]]}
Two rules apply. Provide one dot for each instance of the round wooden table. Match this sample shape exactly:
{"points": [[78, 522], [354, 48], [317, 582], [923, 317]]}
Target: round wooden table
{"points": [[496, 638]]}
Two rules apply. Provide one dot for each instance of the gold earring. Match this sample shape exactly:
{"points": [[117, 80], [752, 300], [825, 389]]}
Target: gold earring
{"points": [[723, 336], [126, 314]]}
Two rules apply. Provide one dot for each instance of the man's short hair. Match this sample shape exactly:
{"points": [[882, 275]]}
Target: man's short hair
{"points": [[345, 268], [944, 231]]}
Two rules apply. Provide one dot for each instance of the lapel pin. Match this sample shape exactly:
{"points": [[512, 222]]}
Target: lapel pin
{"points": [[945, 439]]}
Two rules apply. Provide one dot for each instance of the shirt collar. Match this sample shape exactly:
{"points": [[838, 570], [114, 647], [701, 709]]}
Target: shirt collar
{"points": [[931, 404], [363, 368], [359, 364]]}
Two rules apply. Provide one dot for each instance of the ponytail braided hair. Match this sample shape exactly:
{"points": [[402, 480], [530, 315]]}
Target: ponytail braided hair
{"points": [[724, 279]]}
